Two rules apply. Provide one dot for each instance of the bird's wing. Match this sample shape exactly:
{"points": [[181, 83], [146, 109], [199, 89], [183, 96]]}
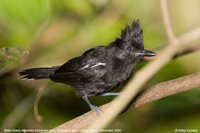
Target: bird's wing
{"points": [[90, 66]]}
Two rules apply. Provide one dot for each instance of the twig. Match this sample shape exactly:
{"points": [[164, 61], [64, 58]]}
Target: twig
{"points": [[141, 77], [183, 51], [168, 88], [190, 36], [90, 117], [18, 112], [38, 33], [154, 93], [80, 122], [167, 22], [36, 103], [188, 50]]}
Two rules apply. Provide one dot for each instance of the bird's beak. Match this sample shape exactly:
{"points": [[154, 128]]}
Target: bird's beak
{"points": [[146, 53]]}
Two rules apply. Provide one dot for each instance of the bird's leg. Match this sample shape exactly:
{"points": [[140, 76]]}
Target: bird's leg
{"points": [[111, 94], [92, 107]]}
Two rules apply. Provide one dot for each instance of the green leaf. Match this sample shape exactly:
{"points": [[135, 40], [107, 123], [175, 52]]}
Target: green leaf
{"points": [[10, 55]]}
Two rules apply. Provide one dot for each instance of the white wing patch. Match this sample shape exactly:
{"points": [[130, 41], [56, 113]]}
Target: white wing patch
{"points": [[86, 66], [96, 65]]}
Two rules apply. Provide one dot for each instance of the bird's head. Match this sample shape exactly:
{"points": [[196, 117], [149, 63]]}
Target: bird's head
{"points": [[131, 43]]}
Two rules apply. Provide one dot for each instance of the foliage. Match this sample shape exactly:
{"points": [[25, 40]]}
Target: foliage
{"points": [[48, 33], [10, 55]]}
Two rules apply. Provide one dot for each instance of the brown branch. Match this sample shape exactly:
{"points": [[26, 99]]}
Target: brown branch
{"points": [[154, 93], [167, 22], [40, 92], [135, 85], [80, 123], [183, 51], [38, 34], [16, 115], [168, 88], [141, 77], [188, 50], [129, 91]]}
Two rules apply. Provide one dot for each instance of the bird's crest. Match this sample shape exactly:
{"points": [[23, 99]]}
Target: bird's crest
{"points": [[133, 34]]}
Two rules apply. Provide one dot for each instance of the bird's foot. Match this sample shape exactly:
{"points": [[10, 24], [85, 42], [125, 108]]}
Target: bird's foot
{"points": [[96, 109]]}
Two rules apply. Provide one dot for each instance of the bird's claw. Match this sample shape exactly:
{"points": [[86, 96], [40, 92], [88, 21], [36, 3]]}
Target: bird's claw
{"points": [[96, 109]]}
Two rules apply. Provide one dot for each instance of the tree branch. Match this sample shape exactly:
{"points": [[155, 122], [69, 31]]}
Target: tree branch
{"points": [[40, 92], [167, 22], [88, 118], [168, 88], [183, 51], [188, 50], [154, 93], [141, 77], [16, 115]]}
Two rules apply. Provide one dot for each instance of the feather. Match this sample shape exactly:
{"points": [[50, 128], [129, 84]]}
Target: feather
{"points": [[133, 34]]}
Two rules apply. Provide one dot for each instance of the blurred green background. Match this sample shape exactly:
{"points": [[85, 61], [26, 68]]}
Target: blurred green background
{"points": [[37, 33]]}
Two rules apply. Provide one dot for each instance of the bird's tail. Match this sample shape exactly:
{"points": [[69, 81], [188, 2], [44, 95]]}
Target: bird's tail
{"points": [[37, 73]]}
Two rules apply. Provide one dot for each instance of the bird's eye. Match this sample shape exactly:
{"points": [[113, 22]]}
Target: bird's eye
{"points": [[129, 48]]}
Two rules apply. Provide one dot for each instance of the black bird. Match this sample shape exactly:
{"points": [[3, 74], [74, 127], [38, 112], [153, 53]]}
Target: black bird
{"points": [[99, 70]]}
